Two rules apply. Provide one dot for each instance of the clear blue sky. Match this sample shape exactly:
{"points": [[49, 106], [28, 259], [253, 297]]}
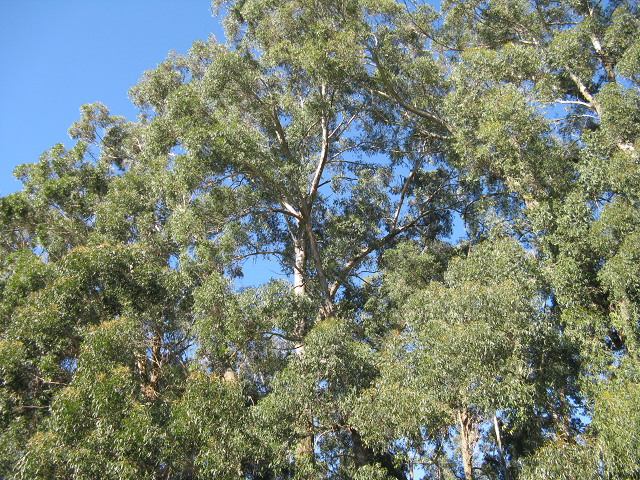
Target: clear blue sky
{"points": [[59, 54]]}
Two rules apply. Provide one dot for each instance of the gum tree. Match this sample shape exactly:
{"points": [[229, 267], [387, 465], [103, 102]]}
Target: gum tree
{"points": [[337, 139]]}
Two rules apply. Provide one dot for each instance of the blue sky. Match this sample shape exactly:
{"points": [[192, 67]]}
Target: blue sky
{"points": [[58, 55]]}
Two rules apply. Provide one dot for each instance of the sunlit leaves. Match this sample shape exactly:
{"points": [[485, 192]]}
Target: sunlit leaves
{"points": [[339, 139]]}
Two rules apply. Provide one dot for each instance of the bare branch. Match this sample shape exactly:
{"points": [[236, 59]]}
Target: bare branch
{"points": [[324, 154], [384, 240], [574, 102], [403, 192]]}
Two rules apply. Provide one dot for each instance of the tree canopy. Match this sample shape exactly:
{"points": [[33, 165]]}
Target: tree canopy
{"points": [[339, 140]]}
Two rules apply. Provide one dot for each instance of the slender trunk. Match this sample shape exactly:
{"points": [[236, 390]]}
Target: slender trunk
{"points": [[304, 456], [503, 460], [154, 373], [327, 303], [300, 256], [465, 443], [299, 285], [299, 262]]}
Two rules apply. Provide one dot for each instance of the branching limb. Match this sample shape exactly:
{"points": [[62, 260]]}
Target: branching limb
{"points": [[344, 272], [393, 94], [403, 193]]}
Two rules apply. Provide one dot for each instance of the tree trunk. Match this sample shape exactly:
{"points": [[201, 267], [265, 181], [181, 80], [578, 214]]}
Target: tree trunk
{"points": [[304, 456], [465, 443], [326, 309], [503, 460], [299, 285], [300, 259], [155, 361], [360, 454]]}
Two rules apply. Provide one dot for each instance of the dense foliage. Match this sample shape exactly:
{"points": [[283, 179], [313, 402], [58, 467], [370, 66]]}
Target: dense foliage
{"points": [[340, 140]]}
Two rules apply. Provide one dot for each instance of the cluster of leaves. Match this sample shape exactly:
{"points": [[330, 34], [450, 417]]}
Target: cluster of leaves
{"points": [[339, 140]]}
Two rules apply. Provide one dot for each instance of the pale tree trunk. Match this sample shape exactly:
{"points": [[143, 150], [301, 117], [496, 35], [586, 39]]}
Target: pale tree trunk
{"points": [[304, 455], [465, 422], [299, 261], [503, 460], [326, 309], [156, 361], [299, 285]]}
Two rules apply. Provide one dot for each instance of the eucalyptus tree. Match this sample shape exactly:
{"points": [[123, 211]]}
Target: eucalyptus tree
{"points": [[479, 363], [551, 97], [485, 88], [275, 137], [286, 125], [265, 147], [337, 139]]}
